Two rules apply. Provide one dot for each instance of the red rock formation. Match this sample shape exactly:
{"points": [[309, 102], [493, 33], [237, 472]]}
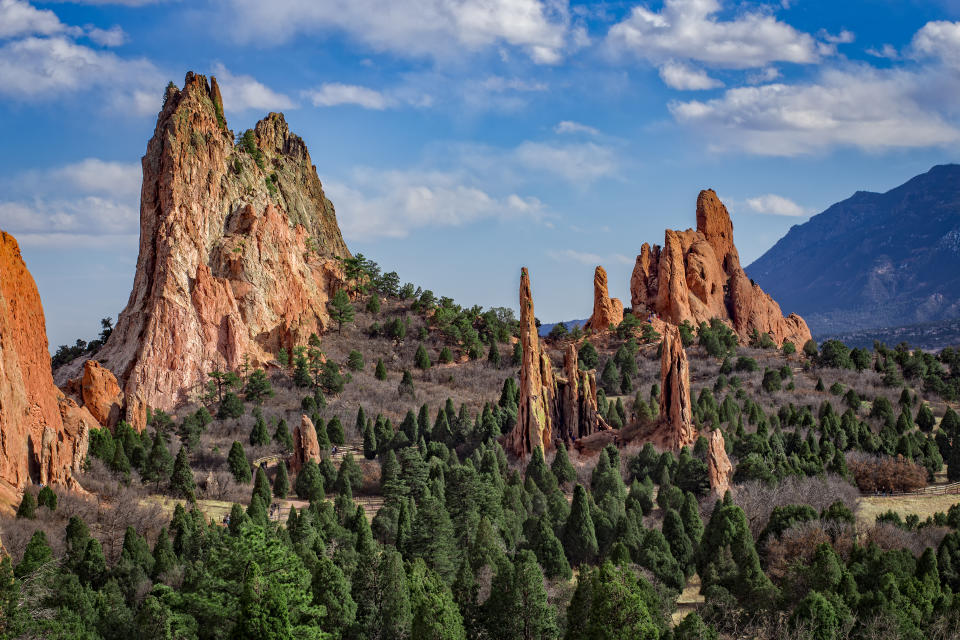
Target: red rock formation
{"points": [[534, 419], [35, 445], [696, 276], [552, 407], [675, 429], [718, 464], [606, 310], [238, 252], [305, 445], [101, 394]]}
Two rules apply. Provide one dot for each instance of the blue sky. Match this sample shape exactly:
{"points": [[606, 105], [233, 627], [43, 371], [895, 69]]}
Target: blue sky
{"points": [[463, 139]]}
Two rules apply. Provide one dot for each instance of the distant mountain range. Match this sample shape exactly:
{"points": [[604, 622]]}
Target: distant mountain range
{"points": [[874, 260]]}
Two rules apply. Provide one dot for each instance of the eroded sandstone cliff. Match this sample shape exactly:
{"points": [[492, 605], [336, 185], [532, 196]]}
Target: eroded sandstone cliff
{"points": [[696, 276], [43, 435], [239, 252]]}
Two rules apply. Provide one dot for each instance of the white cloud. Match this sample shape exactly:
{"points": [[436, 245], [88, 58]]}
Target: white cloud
{"points": [[775, 205], [500, 84], [333, 94], [81, 202], [18, 18], [112, 37], [417, 28], [690, 30], [394, 203], [577, 163], [569, 126], [678, 75], [887, 51], [762, 76], [858, 106], [844, 37], [120, 3], [241, 92], [940, 40]]}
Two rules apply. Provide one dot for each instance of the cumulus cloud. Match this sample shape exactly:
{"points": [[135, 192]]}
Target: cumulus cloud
{"points": [[576, 163], [333, 94], [858, 106], [592, 259], [939, 39], [242, 92], [691, 30], [417, 28], [83, 204], [678, 75], [394, 203], [112, 37], [569, 126], [775, 205], [18, 18]]}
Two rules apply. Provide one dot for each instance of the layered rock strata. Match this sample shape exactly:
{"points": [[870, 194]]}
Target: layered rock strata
{"points": [[696, 276], [43, 435], [239, 252]]}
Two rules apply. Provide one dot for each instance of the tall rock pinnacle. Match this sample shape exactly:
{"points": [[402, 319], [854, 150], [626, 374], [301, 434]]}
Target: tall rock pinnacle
{"points": [[239, 251], [676, 411], [607, 311]]}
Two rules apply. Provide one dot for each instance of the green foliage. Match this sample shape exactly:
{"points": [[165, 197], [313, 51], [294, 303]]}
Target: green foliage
{"points": [[405, 388], [309, 483], [230, 407], [588, 356], [281, 482], [181, 480], [258, 387], [47, 498], [239, 464], [28, 506], [380, 372], [613, 603], [421, 359], [355, 361], [341, 309], [259, 435], [579, 535], [35, 556]]}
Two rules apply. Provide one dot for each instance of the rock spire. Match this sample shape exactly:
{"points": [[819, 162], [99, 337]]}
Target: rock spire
{"points": [[675, 429], [607, 311]]}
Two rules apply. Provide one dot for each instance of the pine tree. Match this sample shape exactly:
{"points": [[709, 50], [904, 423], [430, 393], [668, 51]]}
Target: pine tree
{"points": [[355, 361], [406, 385], [493, 356], [159, 462], [545, 544], [421, 359], [610, 377], [435, 613], [394, 597], [432, 538], [47, 498], [341, 309], [28, 506], [562, 469], [76, 538], [517, 358], [613, 603], [446, 356], [281, 483], [681, 548], [36, 554], [238, 463], [690, 515], [258, 435], [335, 431], [257, 511], [230, 407], [369, 442], [261, 486], [164, 558], [380, 373], [258, 387], [93, 568], [263, 610], [181, 480], [332, 591], [309, 483], [282, 435], [518, 605], [120, 463], [373, 304], [579, 536]]}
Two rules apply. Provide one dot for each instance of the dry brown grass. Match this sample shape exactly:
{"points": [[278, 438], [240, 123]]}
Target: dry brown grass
{"points": [[923, 506]]}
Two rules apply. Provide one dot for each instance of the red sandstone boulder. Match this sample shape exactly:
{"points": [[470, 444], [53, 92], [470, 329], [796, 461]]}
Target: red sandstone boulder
{"points": [[101, 394], [305, 445], [607, 311], [718, 465]]}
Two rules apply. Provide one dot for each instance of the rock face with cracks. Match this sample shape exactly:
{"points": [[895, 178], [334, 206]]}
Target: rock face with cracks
{"points": [[306, 447], [239, 252], [719, 468], [552, 407], [696, 276], [607, 311], [43, 435], [675, 428]]}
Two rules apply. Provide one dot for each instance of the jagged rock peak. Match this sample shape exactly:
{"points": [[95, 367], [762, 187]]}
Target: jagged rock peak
{"points": [[696, 276], [719, 468], [43, 438], [676, 410], [239, 250], [607, 311]]}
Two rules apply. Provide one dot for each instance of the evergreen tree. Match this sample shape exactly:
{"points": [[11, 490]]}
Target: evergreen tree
{"points": [[332, 591], [259, 436], [422, 359], [434, 612], [610, 377], [406, 385], [369, 442], [335, 431], [309, 483], [36, 554], [395, 613], [681, 548], [282, 435], [517, 358], [518, 606], [261, 486], [493, 355], [588, 356], [258, 387], [164, 558], [341, 309], [355, 361], [613, 603], [28, 506], [47, 498], [281, 483], [230, 407], [263, 610], [238, 463], [579, 536], [380, 373], [562, 469], [432, 538], [545, 544], [93, 569], [159, 462], [446, 356], [181, 480]]}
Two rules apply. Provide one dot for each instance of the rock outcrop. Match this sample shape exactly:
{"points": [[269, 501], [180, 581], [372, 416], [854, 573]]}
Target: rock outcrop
{"points": [[239, 252], [306, 447], [696, 276], [35, 443], [718, 464], [552, 407], [607, 311], [101, 394], [675, 428]]}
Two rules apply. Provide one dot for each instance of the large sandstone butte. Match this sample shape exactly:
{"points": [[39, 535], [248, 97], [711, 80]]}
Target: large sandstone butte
{"points": [[607, 311], [552, 407], [696, 276], [239, 252], [675, 429], [43, 435]]}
